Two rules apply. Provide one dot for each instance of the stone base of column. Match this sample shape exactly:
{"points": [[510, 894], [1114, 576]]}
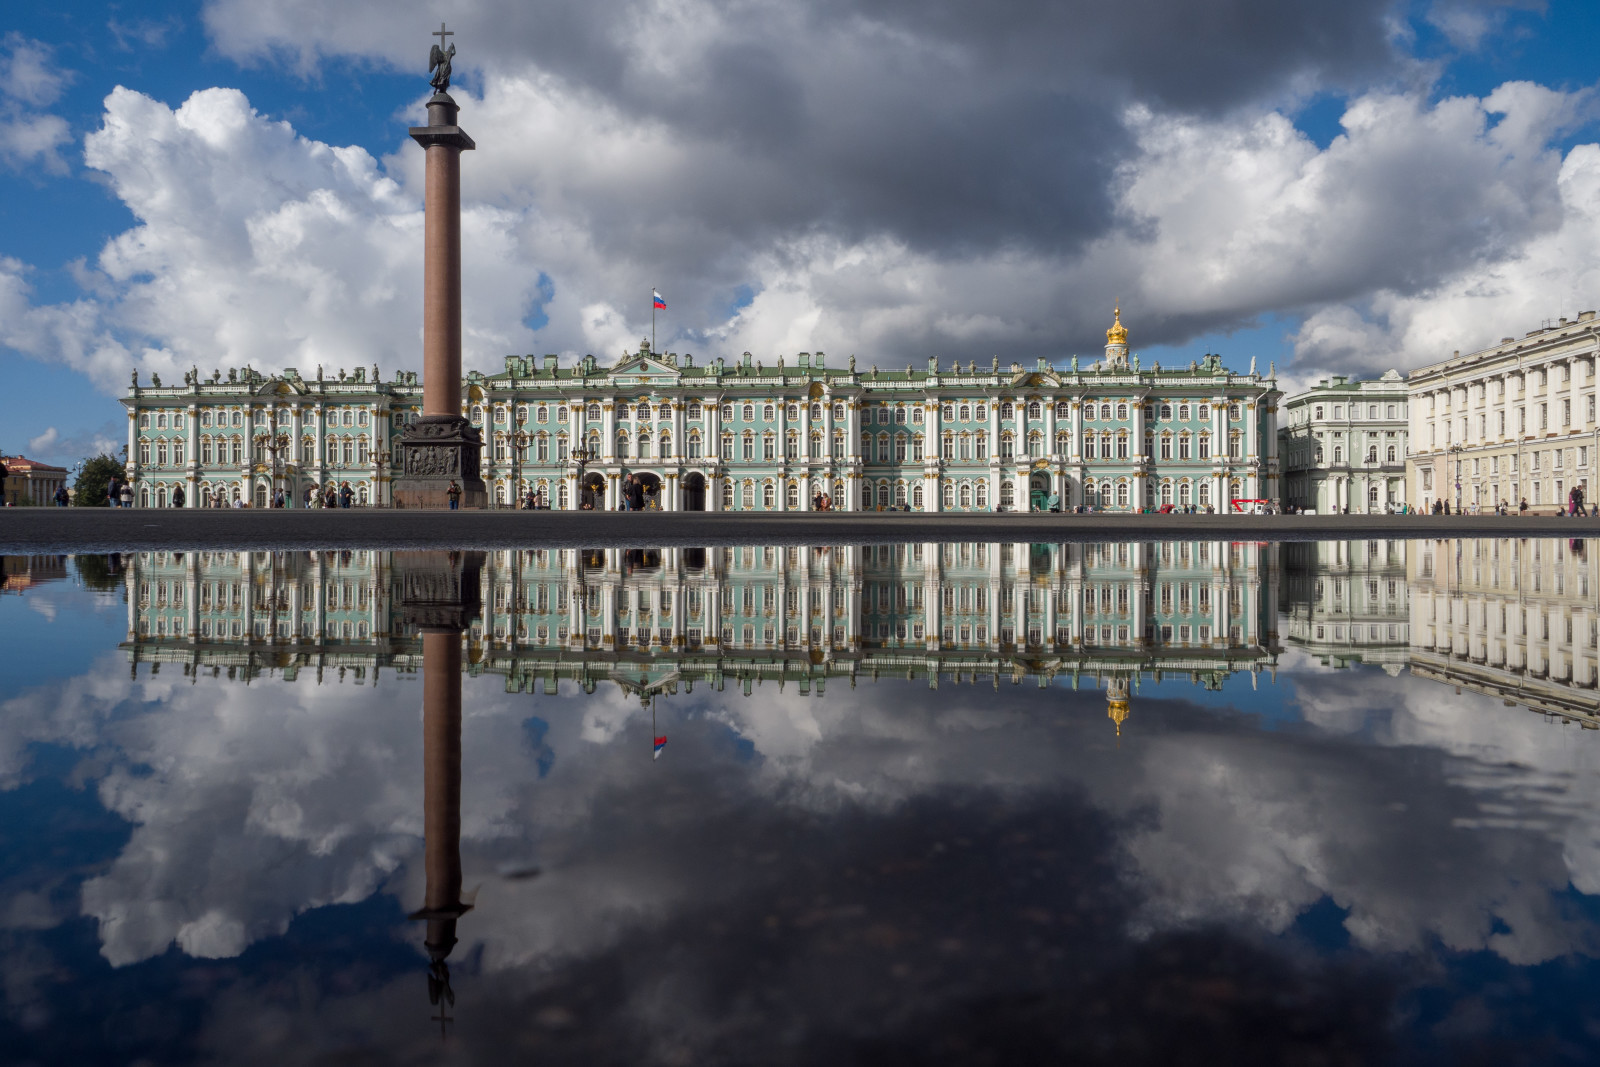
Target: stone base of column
{"points": [[434, 451]]}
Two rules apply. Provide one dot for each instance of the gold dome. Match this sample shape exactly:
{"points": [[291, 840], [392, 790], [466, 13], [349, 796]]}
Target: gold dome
{"points": [[1118, 334]]}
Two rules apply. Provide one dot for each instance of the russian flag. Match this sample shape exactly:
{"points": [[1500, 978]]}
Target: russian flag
{"points": [[661, 743], [660, 303]]}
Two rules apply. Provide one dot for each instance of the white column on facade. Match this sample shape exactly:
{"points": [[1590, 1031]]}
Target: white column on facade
{"points": [[191, 459], [608, 432]]}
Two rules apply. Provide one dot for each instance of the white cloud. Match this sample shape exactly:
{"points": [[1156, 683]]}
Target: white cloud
{"points": [[31, 139], [44, 443]]}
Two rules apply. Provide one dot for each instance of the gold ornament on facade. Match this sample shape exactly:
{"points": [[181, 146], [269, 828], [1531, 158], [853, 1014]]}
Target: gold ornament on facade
{"points": [[1118, 334]]}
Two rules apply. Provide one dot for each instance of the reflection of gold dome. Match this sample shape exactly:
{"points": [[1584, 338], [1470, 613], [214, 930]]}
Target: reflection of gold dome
{"points": [[1117, 702], [1118, 334]]}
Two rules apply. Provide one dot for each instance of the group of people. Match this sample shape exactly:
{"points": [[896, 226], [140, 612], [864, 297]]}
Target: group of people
{"points": [[119, 494], [635, 495], [821, 501]]}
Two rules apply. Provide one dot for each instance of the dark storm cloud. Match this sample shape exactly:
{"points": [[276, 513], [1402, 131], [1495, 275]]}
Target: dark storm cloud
{"points": [[949, 126]]}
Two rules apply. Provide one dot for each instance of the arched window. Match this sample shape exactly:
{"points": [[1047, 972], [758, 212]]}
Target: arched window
{"points": [[769, 496], [1166, 492], [966, 412], [561, 494], [593, 414], [1063, 411], [1183, 493], [792, 495], [727, 495], [665, 450], [983, 494], [1036, 444], [1008, 494], [144, 496], [644, 446], [1122, 494], [694, 446], [1034, 410], [916, 416], [361, 494], [768, 413], [749, 413], [1391, 454], [883, 494], [238, 451], [900, 494], [966, 494], [947, 496], [1105, 412], [1006, 411], [622, 411], [361, 450], [694, 409], [838, 494], [749, 494], [1205, 494]]}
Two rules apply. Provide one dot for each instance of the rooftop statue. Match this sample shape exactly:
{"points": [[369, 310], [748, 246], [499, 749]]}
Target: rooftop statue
{"points": [[439, 60]]}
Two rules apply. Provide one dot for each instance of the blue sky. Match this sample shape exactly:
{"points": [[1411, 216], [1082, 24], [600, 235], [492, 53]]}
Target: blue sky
{"points": [[1339, 187]]}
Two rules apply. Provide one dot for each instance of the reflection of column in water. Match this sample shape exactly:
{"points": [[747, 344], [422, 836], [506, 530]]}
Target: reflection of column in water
{"points": [[441, 800]]}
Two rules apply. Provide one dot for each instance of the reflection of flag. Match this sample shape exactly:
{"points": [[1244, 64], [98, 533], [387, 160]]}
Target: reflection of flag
{"points": [[660, 301], [661, 743]]}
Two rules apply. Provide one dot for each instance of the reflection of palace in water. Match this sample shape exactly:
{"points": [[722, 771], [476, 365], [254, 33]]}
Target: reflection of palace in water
{"points": [[1512, 618], [655, 620], [1346, 601]]}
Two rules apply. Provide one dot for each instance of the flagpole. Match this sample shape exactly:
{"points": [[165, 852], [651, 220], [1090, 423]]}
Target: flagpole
{"points": [[652, 352]]}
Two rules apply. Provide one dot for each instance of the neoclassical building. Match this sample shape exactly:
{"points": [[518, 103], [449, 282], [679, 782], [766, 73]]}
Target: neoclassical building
{"points": [[1343, 446], [740, 436], [1512, 422]]}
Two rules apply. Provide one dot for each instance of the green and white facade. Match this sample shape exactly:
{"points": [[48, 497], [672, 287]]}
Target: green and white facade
{"points": [[740, 436]]}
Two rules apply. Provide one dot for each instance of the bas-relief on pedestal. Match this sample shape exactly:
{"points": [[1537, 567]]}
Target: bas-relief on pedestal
{"points": [[434, 451]]}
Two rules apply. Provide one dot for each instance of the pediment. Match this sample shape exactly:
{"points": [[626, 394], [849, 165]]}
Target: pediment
{"points": [[1034, 379], [645, 369]]}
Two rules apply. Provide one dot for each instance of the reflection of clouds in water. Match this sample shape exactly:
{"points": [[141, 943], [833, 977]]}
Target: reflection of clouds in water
{"points": [[254, 803]]}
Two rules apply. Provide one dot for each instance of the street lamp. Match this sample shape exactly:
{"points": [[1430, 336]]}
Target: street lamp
{"points": [[520, 439], [580, 456], [1455, 452], [274, 444]]}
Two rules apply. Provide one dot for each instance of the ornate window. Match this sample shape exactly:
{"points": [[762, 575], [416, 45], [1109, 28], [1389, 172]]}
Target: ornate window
{"points": [[1166, 448], [947, 494], [1184, 445], [983, 494], [593, 414], [916, 415], [694, 409], [1063, 410], [144, 451], [769, 446], [1006, 411], [1166, 411], [966, 494], [1205, 446], [769, 496], [1105, 412], [767, 413], [1034, 410]]}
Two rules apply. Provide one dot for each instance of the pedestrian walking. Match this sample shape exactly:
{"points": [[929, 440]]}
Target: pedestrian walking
{"points": [[346, 494], [454, 493], [125, 495], [61, 497], [178, 497], [112, 499]]}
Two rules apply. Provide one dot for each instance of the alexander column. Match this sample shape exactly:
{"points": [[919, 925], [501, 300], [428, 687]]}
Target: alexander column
{"points": [[441, 446]]}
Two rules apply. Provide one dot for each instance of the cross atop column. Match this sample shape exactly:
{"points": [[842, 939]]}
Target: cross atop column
{"points": [[442, 33]]}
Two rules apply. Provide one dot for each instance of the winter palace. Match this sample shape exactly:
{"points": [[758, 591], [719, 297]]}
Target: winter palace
{"points": [[736, 435]]}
